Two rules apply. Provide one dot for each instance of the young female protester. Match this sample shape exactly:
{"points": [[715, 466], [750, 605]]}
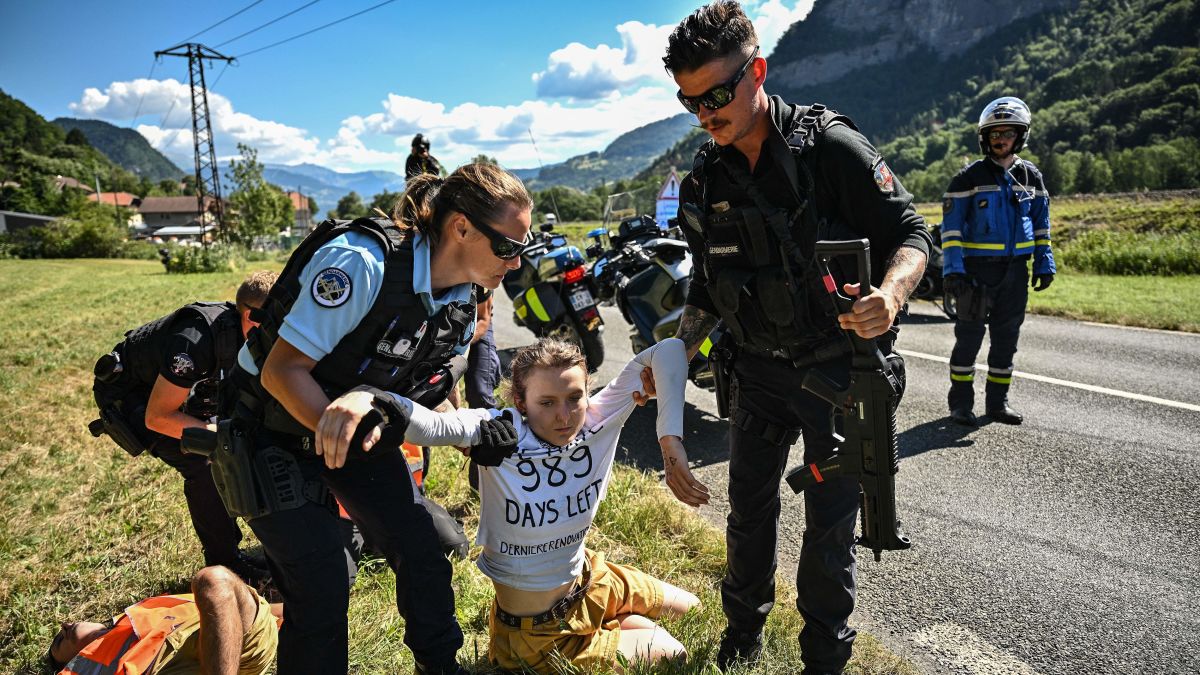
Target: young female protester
{"points": [[546, 464]]}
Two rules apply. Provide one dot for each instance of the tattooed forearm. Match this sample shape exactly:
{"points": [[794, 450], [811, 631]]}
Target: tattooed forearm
{"points": [[694, 327], [904, 272]]}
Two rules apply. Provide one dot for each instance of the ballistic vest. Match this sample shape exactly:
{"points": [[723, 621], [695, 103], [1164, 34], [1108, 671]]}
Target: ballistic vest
{"points": [[395, 347], [144, 347], [759, 258], [132, 645]]}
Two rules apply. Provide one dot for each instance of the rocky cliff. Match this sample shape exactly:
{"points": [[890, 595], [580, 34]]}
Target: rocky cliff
{"points": [[841, 36]]}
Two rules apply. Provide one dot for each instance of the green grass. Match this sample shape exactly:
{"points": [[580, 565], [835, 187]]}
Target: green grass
{"points": [[1148, 302], [88, 530]]}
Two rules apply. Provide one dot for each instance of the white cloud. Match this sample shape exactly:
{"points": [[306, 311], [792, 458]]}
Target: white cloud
{"points": [[580, 72], [772, 18], [587, 96], [171, 102]]}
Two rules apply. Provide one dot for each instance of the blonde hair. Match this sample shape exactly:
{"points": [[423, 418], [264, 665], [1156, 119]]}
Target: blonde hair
{"points": [[545, 353], [253, 291], [480, 190]]}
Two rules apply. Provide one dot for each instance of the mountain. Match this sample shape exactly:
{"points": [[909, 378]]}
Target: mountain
{"points": [[36, 155], [625, 156], [328, 186], [1113, 86], [126, 147]]}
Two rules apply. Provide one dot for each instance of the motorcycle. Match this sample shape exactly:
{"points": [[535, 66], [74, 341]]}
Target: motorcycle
{"points": [[930, 286], [646, 272], [554, 296]]}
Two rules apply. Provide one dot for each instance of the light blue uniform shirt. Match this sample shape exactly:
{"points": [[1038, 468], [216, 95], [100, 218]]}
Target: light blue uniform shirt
{"points": [[338, 286]]}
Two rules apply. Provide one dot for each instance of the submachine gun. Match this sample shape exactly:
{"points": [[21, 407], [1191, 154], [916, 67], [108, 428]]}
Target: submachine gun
{"points": [[867, 406]]}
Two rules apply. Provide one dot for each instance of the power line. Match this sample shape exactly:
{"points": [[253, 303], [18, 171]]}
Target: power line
{"points": [[153, 65], [214, 84], [309, 32], [255, 30], [188, 38]]}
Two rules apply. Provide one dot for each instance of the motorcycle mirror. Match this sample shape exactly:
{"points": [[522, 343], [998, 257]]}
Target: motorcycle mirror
{"points": [[546, 227]]}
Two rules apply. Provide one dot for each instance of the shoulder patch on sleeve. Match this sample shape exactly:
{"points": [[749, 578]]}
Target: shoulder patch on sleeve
{"points": [[884, 179], [182, 365], [331, 287]]}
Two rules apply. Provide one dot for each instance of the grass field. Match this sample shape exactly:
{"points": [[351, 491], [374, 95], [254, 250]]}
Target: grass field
{"points": [[87, 530]]}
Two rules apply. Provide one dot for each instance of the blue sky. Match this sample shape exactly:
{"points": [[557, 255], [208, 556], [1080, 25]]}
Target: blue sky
{"points": [[474, 76]]}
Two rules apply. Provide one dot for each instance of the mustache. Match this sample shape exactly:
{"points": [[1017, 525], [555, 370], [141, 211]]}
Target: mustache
{"points": [[708, 125]]}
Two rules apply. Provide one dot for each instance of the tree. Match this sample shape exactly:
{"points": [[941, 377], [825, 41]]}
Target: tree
{"points": [[384, 201], [349, 207], [76, 137], [484, 159], [312, 207], [170, 188], [259, 208]]}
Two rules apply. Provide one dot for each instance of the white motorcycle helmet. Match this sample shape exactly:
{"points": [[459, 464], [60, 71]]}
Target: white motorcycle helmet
{"points": [[1007, 111]]}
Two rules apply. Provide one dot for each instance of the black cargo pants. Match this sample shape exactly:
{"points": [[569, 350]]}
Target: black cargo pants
{"points": [[770, 389], [1007, 286], [306, 550]]}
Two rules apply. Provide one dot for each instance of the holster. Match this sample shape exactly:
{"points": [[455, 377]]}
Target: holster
{"points": [[113, 423], [721, 358], [252, 481], [973, 303]]}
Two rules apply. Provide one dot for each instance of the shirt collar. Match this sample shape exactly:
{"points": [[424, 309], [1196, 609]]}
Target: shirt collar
{"points": [[421, 283]]}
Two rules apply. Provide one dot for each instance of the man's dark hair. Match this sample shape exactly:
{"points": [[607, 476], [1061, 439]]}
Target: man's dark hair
{"points": [[714, 31]]}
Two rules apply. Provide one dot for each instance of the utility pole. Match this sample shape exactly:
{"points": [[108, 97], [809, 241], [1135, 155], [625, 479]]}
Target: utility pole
{"points": [[208, 173]]}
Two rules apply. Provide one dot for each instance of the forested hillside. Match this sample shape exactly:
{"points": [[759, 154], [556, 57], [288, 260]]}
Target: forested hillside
{"points": [[1115, 90], [33, 152], [1114, 87], [126, 147]]}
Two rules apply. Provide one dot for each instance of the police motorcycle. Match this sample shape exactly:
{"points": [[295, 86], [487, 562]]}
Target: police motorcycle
{"points": [[646, 271], [930, 286], [553, 295]]}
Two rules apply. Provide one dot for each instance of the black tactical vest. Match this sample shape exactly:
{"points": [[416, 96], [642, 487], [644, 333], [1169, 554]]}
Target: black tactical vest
{"points": [[759, 258], [395, 347], [144, 347]]}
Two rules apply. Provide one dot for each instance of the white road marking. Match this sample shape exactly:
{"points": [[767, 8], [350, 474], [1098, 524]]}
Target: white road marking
{"points": [[959, 647], [1066, 383]]}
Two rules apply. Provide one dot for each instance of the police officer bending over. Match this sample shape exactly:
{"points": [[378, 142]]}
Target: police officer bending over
{"points": [[385, 304], [163, 379], [774, 179], [996, 215]]}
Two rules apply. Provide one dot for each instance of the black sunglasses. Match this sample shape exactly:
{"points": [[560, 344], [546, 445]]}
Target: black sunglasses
{"points": [[719, 96], [502, 247], [1007, 134]]}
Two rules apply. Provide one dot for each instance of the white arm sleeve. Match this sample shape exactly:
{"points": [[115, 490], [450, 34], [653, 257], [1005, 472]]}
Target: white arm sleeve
{"points": [[426, 427], [668, 360]]}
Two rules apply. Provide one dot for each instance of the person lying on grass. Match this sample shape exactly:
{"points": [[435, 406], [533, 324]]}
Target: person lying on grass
{"points": [[223, 626], [546, 464]]}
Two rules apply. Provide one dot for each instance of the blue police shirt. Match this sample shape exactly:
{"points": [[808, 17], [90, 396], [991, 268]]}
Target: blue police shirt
{"points": [[338, 286]]}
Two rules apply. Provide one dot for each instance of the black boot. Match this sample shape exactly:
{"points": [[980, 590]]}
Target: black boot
{"points": [[1004, 414], [961, 399], [997, 403], [739, 648]]}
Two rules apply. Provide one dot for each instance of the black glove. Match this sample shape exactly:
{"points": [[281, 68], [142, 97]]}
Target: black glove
{"points": [[1041, 282], [955, 284], [385, 411], [497, 441]]}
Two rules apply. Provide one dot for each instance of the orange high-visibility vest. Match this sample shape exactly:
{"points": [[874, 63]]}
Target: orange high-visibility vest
{"points": [[133, 644]]}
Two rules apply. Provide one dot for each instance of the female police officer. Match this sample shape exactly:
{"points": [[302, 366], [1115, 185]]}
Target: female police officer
{"points": [[386, 304]]}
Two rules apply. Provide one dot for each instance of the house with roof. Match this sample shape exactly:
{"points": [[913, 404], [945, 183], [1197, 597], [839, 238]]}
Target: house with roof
{"points": [[303, 218], [181, 214]]}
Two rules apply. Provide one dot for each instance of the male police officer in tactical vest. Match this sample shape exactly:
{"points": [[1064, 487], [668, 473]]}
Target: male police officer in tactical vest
{"points": [[774, 179], [163, 379], [995, 217]]}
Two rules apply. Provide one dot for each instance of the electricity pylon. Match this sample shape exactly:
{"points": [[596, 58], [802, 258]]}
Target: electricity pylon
{"points": [[208, 174]]}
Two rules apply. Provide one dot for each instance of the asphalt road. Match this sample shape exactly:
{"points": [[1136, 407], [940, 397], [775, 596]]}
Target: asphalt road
{"points": [[1065, 545]]}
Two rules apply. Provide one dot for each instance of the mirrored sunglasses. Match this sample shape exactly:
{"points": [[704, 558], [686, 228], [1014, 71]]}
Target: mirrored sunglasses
{"points": [[719, 96], [502, 247]]}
